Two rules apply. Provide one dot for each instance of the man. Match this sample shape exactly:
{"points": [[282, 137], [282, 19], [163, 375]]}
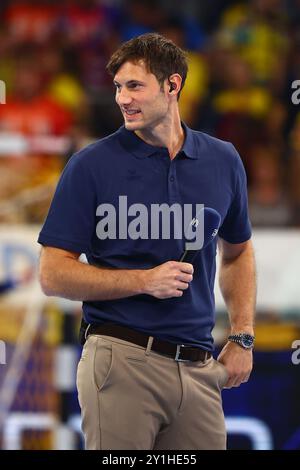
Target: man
{"points": [[146, 378]]}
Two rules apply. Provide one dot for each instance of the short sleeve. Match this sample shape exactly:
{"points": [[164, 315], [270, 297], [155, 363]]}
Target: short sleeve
{"points": [[70, 223], [236, 227]]}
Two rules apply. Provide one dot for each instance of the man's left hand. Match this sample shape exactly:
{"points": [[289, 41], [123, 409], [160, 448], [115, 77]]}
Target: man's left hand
{"points": [[238, 362]]}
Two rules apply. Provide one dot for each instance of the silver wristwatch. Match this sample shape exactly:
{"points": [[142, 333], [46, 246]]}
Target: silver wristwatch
{"points": [[245, 340]]}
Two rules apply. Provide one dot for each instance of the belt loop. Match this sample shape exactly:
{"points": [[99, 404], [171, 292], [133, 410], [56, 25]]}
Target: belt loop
{"points": [[149, 345]]}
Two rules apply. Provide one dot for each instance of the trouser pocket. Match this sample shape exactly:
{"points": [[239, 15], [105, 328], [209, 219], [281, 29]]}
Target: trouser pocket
{"points": [[103, 363]]}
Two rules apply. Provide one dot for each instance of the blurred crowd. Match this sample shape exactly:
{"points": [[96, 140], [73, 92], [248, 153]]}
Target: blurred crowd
{"points": [[243, 58]]}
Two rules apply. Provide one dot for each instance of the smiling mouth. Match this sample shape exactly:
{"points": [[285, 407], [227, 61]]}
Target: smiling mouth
{"points": [[131, 112]]}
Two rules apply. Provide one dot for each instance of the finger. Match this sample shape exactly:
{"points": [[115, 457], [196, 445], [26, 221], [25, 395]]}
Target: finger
{"points": [[182, 285], [245, 379], [178, 293], [229, 383], [239, 380], [237, 383], [184, 277], [186, 268], [232, 382]]}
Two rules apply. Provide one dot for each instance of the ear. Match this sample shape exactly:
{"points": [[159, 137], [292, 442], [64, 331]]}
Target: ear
{"points": [[172, 86], [174, 82]]}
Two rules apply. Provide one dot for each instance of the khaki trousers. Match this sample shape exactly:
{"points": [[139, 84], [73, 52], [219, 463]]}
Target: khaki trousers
{"points": [[134, 398]]}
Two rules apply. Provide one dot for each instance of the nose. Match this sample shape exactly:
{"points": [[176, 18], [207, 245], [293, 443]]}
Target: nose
{"points": [[123, 97]]}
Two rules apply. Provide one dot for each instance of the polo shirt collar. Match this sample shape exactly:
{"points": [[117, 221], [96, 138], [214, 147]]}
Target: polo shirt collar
{"points": [[141, 149], [189, 147]]}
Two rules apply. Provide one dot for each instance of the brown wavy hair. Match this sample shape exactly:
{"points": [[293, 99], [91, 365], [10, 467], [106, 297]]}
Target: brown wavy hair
{"points": [[161, 56]]}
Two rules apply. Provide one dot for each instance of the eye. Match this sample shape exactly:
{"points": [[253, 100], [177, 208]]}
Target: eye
{"points": [[134, 85]]}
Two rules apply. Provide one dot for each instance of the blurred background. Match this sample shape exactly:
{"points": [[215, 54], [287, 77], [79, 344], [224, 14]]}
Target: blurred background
{"points": [[243, 59]]}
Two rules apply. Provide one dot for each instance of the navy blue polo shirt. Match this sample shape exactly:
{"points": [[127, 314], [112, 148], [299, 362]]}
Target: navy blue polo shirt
{"points": [[206, 171]]}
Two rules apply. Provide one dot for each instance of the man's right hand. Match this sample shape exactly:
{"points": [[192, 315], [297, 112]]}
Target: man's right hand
{"points": [[167, 280]]}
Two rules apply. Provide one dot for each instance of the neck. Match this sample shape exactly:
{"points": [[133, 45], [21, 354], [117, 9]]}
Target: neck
{"points": [[168, 133]]}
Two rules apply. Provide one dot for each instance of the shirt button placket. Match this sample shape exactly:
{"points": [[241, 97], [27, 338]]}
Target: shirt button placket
{"points": [[172, 184]]}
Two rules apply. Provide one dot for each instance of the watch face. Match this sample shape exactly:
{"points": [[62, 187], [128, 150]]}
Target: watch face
{"points": [[247, 340]]}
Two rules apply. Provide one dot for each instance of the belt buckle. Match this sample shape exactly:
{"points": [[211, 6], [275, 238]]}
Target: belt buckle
{"points": [[178, 348]]}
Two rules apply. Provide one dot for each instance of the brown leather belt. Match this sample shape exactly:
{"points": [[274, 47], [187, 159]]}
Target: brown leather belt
{"points": [[179, 352]]}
